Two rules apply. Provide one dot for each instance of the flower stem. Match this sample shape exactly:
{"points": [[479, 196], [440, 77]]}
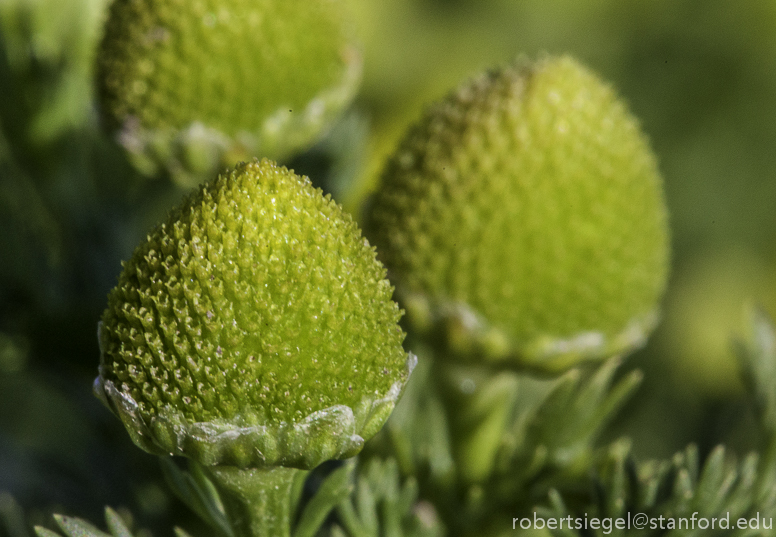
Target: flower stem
{"points": [[479, 403], [258, 501]]}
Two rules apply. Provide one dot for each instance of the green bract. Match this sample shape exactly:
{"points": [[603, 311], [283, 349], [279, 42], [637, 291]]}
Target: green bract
{"points": [[523, 220], [189, 85], [254, 328]]}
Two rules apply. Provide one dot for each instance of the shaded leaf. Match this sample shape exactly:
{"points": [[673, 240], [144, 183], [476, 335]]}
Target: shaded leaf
{"points": [[198, 493], [384, 505], [76, 527], [334, 489]]}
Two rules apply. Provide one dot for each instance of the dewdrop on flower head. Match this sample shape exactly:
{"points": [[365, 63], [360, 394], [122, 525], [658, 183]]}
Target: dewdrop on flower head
{"points": [[523, 220], [191, 87], [254, 328]]}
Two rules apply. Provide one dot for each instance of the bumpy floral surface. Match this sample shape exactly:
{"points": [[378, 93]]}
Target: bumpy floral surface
{"points": [[523, 219], [189, 85], [254, 327]]}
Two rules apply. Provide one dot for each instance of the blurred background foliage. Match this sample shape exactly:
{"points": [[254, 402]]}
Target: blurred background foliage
{"points": [[701, 76]]}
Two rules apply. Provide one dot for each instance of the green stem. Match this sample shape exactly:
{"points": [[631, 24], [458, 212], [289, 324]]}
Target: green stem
{"points": [[479, 403], [258, 501]]}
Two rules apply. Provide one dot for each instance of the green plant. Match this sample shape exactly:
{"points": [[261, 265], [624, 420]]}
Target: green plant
{"points": [[525, 215], [253, 332], [252, 346], [191, 87]]}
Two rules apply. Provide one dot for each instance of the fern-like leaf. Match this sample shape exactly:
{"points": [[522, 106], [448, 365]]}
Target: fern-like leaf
{"points": [[757, 358], [671, 497], [382, 505], [77, 527], [550, 446], [12, 521], [198, 493], [335, 489]]}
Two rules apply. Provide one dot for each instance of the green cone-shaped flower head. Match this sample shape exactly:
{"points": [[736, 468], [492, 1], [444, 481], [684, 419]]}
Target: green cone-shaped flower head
{"points": [[523, 220], [254, 327], [190, 84]]}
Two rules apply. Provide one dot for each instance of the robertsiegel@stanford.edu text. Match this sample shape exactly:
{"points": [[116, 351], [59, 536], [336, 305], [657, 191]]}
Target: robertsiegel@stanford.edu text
{"points": [[640, 521]]}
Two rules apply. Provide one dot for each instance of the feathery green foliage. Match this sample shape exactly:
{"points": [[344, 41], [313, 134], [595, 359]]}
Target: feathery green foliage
{"points": [[385, 504], [537, 447], [719, 487], [670, 493], [76, 527]]}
